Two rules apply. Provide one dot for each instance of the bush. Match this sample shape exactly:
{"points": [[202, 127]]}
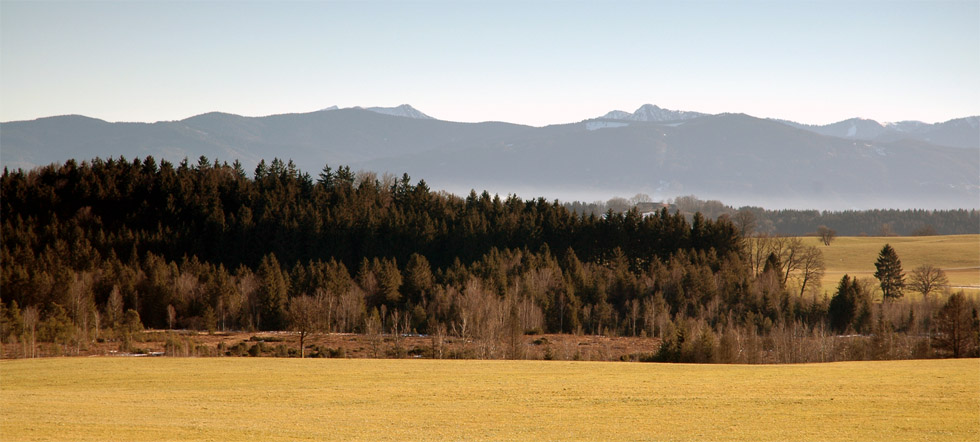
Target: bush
{"points": [[326, 352], [238, 350], [281, 351], [396, 353], [203, 351], [257, 349]]}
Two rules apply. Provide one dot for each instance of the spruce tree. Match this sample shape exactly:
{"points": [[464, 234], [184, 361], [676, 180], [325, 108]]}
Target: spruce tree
{"points": [[890, 273], [850, 307]]}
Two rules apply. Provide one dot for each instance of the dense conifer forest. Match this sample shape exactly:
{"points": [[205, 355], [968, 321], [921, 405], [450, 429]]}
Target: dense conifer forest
{"points": [[114, 245]]}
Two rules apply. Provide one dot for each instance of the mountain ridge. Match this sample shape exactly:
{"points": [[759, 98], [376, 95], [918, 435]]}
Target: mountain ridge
{"points": [[961, 132], [652, 113], [735, 157]]}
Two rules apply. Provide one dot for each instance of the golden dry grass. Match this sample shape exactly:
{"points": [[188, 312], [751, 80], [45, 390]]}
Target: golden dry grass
{"points": [[957, 255], [108, 399]]}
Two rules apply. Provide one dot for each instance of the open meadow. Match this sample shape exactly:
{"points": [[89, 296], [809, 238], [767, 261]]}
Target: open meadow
{"points": [[957, 255], [270, 399]]}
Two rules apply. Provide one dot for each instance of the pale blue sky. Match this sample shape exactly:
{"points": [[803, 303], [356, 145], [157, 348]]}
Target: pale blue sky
{"points": [[525, 62]]}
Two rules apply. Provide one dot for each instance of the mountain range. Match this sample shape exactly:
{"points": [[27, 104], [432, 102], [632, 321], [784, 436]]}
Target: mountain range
{"points": [[664, 153]]}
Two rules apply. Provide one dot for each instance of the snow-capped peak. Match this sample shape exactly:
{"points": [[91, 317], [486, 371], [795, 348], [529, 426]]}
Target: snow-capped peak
{"points": [[649, 112], [907, 126], [401, 111]]}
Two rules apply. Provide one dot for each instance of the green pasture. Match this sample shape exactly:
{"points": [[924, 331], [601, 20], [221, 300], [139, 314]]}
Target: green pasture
{"points": [[160, 399]]}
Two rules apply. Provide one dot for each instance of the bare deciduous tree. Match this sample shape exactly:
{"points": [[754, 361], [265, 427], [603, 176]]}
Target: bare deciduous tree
{"points": [[640, 198], [811, 267], [349, 308], [304, 316], [483, 314], [826, 234], [926, 279], [188, 288], [759, 249], [618, 204], [365, 178], [955, 334], [114, 308], [247, 288], [791, 256], [789, 250], [31, 319], [746, 221]]}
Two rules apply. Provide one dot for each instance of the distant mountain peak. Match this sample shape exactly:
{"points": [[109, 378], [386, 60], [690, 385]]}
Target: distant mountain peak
{"points": [[650, 112], [404, 110], [961, 132]]}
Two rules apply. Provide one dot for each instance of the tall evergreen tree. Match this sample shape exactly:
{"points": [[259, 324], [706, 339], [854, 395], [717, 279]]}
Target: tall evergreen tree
{"points": [[850, 307], [890, 273]]}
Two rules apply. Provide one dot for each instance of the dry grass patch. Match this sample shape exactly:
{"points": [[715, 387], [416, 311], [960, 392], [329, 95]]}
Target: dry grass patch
{"points": [[108, 399], [957, 255]]}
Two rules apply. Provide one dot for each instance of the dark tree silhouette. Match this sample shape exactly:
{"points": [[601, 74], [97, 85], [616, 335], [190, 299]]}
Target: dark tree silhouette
{"points": [[956, 328], [889, 272]]}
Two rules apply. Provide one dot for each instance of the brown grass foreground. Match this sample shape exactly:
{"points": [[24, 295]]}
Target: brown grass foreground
{"points": [[272, 399]]}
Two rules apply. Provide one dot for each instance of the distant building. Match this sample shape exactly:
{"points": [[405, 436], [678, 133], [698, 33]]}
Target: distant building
{"points": [[651, 208]]}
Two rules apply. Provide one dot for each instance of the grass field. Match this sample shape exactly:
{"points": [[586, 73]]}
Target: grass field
{"points": [[958, 255], [268, 399]]}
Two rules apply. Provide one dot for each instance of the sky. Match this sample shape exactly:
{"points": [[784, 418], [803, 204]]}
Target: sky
{"points": [[528, 62]]}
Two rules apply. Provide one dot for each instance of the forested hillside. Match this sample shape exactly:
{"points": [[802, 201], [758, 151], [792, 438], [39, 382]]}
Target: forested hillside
{"points": [[110, 244], [196, 237]]}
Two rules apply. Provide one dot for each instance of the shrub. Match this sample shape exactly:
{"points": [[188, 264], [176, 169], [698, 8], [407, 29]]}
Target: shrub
{"points": [[281, 351]]}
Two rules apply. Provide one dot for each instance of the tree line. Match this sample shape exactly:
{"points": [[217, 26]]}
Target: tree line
{"points": [[794, 222], [99, 249], [877, 222]]}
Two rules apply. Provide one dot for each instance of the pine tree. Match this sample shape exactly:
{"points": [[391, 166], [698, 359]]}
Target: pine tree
{"points": [[850, 307], [890, 273], [841, 309], [326, 177]]}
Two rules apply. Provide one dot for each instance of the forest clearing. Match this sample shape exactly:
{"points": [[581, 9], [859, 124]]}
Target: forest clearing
{"points": [[107, 399]]}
